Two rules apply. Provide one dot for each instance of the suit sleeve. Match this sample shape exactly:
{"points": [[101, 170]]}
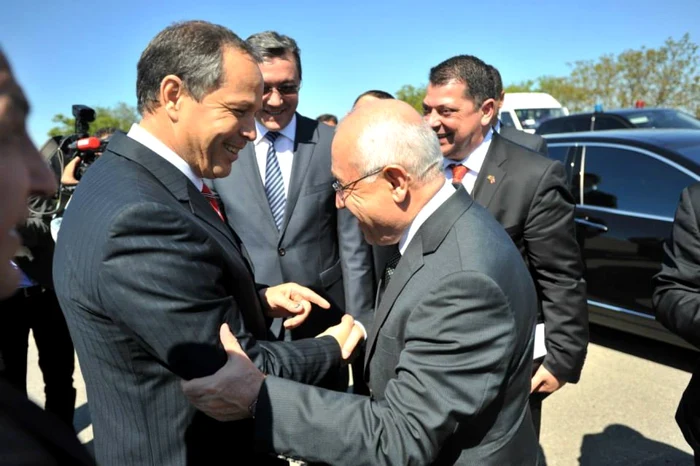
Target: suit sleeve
{"points": [[450, 370], [162, 280], [358, 269], [555, 261], [677, 291]]}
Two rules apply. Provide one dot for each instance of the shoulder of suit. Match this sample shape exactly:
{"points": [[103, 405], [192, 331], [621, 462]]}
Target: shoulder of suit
{"points": [[520, 154]]}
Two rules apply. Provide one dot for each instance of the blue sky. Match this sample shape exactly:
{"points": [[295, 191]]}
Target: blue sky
{"points": [[76, 51]]}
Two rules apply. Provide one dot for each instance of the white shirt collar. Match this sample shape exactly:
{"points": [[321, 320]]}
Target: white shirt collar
{"points": [[141, 135], [428, 209], [475, 160], [288, 131]]}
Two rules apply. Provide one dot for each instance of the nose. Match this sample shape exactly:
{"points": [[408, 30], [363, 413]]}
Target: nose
{"points": [[275, 98], [339, 201], [42, 181], [433, 119], [248, 130]]}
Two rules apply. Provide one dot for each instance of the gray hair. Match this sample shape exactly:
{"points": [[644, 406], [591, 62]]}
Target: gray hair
{"points": [[271, 44], [190, 50], [387, 140]]}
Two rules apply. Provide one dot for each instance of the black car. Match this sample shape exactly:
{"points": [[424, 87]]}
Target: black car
{"points": [[620, 119], [626, 184]]}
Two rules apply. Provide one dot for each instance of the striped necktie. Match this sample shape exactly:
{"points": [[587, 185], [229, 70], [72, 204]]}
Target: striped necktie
{"points": [[274, 184]]}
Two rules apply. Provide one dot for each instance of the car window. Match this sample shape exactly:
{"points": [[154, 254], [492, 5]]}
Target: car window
{"points": [[506, 119], [530, 118], [663, 118], [559, 153], [603, 122], [633, 181], [580, 123]]}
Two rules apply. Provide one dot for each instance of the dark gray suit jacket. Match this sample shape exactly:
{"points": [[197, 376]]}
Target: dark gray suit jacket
{"points": [[677, 300], [148, 273], [449, 361], [534, 142], [528, 195], [318, 246]]}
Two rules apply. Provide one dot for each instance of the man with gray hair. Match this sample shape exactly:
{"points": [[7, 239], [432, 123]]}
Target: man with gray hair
{"points": [[279, 199], [449, 356], [147, 270]]}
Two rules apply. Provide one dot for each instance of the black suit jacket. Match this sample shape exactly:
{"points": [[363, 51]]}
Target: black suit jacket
{"points": [[149, 273], [677, 299], [31, 436], [318, 245], [534, 142], [528, 195], [449, 361]]}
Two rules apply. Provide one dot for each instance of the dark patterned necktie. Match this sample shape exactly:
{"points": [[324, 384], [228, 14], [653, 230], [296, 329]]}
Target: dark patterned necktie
{"points": [[389, 271]]}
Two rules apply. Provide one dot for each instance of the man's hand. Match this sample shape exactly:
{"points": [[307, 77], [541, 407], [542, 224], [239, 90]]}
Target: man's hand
{"points": [[347, 333], [68, 175], [544, 381], [227, 394], [290, 299]]}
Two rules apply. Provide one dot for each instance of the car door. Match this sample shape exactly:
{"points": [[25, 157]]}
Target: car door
{"points": [[626, 201]]}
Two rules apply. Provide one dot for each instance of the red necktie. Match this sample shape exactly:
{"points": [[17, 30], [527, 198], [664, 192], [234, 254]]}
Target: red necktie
{"points": [[458, 172], [212, 200]]}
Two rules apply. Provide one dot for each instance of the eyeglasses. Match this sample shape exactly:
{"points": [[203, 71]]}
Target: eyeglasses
{"points": [[284, 89], [339, 188]]}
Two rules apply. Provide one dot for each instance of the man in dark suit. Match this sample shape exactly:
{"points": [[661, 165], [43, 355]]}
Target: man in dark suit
{"points": [[150, 269], [677, 300], [28, 435], [534, 142], [280, 201], [528, 195], [449, 356]]}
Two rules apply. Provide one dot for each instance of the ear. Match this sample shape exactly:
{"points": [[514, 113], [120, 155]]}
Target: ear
{"points": [[172, 92], [398, 178], [488, 110]]}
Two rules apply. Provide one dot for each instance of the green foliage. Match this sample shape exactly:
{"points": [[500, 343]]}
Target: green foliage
{"points": [[668, 76], [122, 116], [412, 95]]}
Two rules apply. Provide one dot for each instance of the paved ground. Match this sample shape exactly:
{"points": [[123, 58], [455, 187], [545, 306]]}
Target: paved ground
{"points": [[621, 413]]}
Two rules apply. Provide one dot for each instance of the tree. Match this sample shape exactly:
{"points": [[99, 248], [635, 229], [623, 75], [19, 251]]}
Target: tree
{"points": [[412, 95], [122, 116]]}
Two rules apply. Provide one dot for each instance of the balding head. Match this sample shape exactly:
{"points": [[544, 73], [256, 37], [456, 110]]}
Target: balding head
{"points": [[387, 161]]}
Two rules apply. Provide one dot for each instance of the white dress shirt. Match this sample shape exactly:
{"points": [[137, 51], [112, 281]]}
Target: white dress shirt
{"points": [[473, 162], [140, 135], [428, 209], [284, 145]]}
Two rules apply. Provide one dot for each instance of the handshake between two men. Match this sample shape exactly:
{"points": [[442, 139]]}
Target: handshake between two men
{"points": [[230, 393]]}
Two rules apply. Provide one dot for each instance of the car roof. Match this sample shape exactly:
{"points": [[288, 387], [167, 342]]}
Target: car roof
{"points": [[684, 142]]}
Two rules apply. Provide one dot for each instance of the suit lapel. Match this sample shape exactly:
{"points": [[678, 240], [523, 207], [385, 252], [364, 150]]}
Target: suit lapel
{"points": [[426, 241], [173, 180], [492, 172], [249, 168], [304, 144], [409, 264]]}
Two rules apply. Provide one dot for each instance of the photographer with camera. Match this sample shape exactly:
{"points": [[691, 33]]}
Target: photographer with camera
{"points": [[92, 149]]}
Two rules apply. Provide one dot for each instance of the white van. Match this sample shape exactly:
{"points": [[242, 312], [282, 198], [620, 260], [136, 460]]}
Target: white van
{"points": [[526, 110]]}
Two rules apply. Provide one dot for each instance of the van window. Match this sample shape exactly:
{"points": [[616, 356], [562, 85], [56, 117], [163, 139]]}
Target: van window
{"points": [[506, 119], [530, 118]]}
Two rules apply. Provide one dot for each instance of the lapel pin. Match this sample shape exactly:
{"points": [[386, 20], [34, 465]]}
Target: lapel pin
{"points": [[491, 178]]}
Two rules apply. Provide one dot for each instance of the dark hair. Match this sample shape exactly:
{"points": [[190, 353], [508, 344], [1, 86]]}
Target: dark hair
{"points": [[192, 51], [374, 93], [107, 131], [327, 117], [271, 44], [470, 71], [497, 82]]}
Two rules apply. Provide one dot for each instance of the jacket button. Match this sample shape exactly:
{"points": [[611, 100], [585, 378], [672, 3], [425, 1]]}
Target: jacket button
{"points": [[281, 251]]}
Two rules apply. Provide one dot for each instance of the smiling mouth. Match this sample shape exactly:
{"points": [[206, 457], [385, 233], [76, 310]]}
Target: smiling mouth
{"points": [[274, 112], [232, 149]]}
